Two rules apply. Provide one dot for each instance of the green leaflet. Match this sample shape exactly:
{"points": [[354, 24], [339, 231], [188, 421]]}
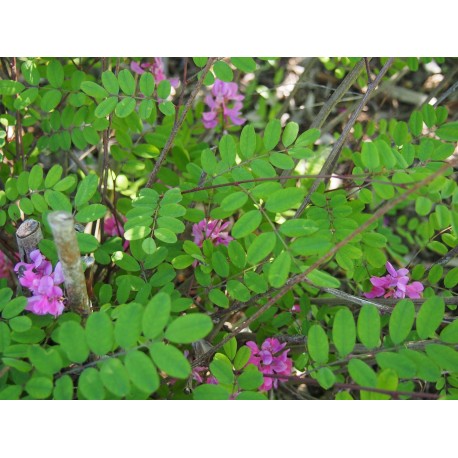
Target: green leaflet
{"points": [[279, 270], [369, 326], [285, 199], [401, 320], [189, 328], [169, 359], [344, 332], [430, 317], [318, 344], [261, 247]]}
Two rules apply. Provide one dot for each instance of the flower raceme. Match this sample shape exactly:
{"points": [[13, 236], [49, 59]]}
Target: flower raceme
{"points": [[222, 95], [156, 67], [39, 278], [395, 284], [270, 359], [211, 230]]}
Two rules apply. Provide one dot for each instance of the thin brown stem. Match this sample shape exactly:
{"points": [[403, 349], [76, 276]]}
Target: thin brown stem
{"points": [[307, 67], [292, 177], [18, 130], [178, 124], [355, 387]]}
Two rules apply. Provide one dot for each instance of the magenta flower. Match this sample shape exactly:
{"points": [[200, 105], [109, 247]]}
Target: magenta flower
{"points": [[201, 374], [222, 94], [395, 284], [269, 360], [39, 278], [211, 230], [5, 266], [113, 228], [156, 67]]}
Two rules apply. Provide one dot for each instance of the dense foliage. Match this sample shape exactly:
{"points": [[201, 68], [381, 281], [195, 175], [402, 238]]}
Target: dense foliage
{"points": [[237, 243]]}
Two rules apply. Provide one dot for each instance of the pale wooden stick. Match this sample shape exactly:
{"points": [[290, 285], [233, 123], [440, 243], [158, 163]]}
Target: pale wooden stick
{"points": [[28, 237], [63, 230]]}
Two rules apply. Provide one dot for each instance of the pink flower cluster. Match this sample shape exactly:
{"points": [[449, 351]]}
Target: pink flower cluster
{"points": [[269, 360], [395, 284], [211, 230], [156, 67], [5, 266], [38, 277], [218, 101]]}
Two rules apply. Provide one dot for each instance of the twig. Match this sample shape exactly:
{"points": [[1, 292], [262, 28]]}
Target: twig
{"points": [[335, 98], [333, 157], [178, 124], [19, 146], [377, 302], [445, 259], [293, 177], [28, 236], [105, 198], [352, 386], [368, 69], [105, 137], [308, 66], [449, 91], [361, 301], [301, 277], [62, 227]]}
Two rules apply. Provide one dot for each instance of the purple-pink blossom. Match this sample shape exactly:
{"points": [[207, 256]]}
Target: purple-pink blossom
{"points": [[114, 228], [395, 284], [5, 266], [211, 230], [39, 278], [225, 104], [270, 360], [201, 374], [156, 67]]}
